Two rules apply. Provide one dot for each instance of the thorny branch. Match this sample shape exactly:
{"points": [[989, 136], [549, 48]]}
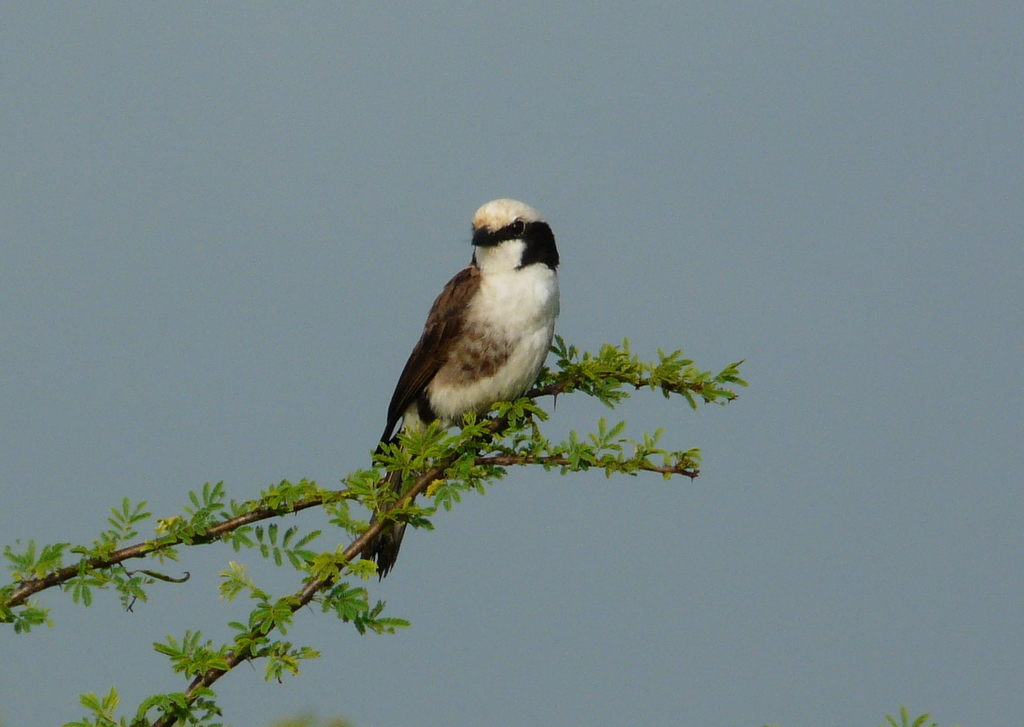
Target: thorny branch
{"points": [[31, 586], [602, 377], [508, 460], [309, 591]]}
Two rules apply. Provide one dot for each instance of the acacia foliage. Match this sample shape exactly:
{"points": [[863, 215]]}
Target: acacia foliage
{"points": [[438, 466]]}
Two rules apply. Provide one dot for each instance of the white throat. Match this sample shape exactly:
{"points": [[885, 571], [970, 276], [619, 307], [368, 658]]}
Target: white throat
{"points": [[502, 258]]}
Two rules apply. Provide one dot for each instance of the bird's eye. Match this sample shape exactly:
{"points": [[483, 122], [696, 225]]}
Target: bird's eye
{"points": [[517, 227]]}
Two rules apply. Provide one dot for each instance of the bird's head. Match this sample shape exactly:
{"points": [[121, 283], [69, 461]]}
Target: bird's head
{"points": [[509, 235]]}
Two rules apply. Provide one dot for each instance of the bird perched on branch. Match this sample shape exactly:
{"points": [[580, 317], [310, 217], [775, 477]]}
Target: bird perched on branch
{"points": [[485, 339]]}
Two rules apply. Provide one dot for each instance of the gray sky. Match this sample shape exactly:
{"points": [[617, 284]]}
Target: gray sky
{"points": [[222, 226]]}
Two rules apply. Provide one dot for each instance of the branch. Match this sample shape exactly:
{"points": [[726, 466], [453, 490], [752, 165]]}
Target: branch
{"points": [[494, 426], [309, 591], [31, 586], [454, 463], [304, 596], [507, 460], [601, 376]]}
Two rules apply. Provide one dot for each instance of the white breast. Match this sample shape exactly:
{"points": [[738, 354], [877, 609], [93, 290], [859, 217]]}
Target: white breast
{"points": [[518, 309]]}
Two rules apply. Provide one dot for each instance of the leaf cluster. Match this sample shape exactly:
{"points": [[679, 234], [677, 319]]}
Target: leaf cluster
{"points": [[606, 375]]}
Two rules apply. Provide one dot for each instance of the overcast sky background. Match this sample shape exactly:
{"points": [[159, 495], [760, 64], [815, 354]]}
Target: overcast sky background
{"points": [[222, 226]]}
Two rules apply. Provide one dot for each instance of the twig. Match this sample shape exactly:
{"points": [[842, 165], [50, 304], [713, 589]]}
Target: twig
{"points": [[141, 550], [508, 460]]}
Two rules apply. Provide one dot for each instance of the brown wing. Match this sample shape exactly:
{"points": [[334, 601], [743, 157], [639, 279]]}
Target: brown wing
{"points": [[444, 322]]}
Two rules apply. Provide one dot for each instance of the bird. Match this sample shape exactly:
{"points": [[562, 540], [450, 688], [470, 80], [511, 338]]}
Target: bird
{"points": [[485, 340]]}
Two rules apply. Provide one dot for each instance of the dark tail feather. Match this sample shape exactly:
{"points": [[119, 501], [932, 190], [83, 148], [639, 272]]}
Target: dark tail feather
{"points": [[384, 548]]}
